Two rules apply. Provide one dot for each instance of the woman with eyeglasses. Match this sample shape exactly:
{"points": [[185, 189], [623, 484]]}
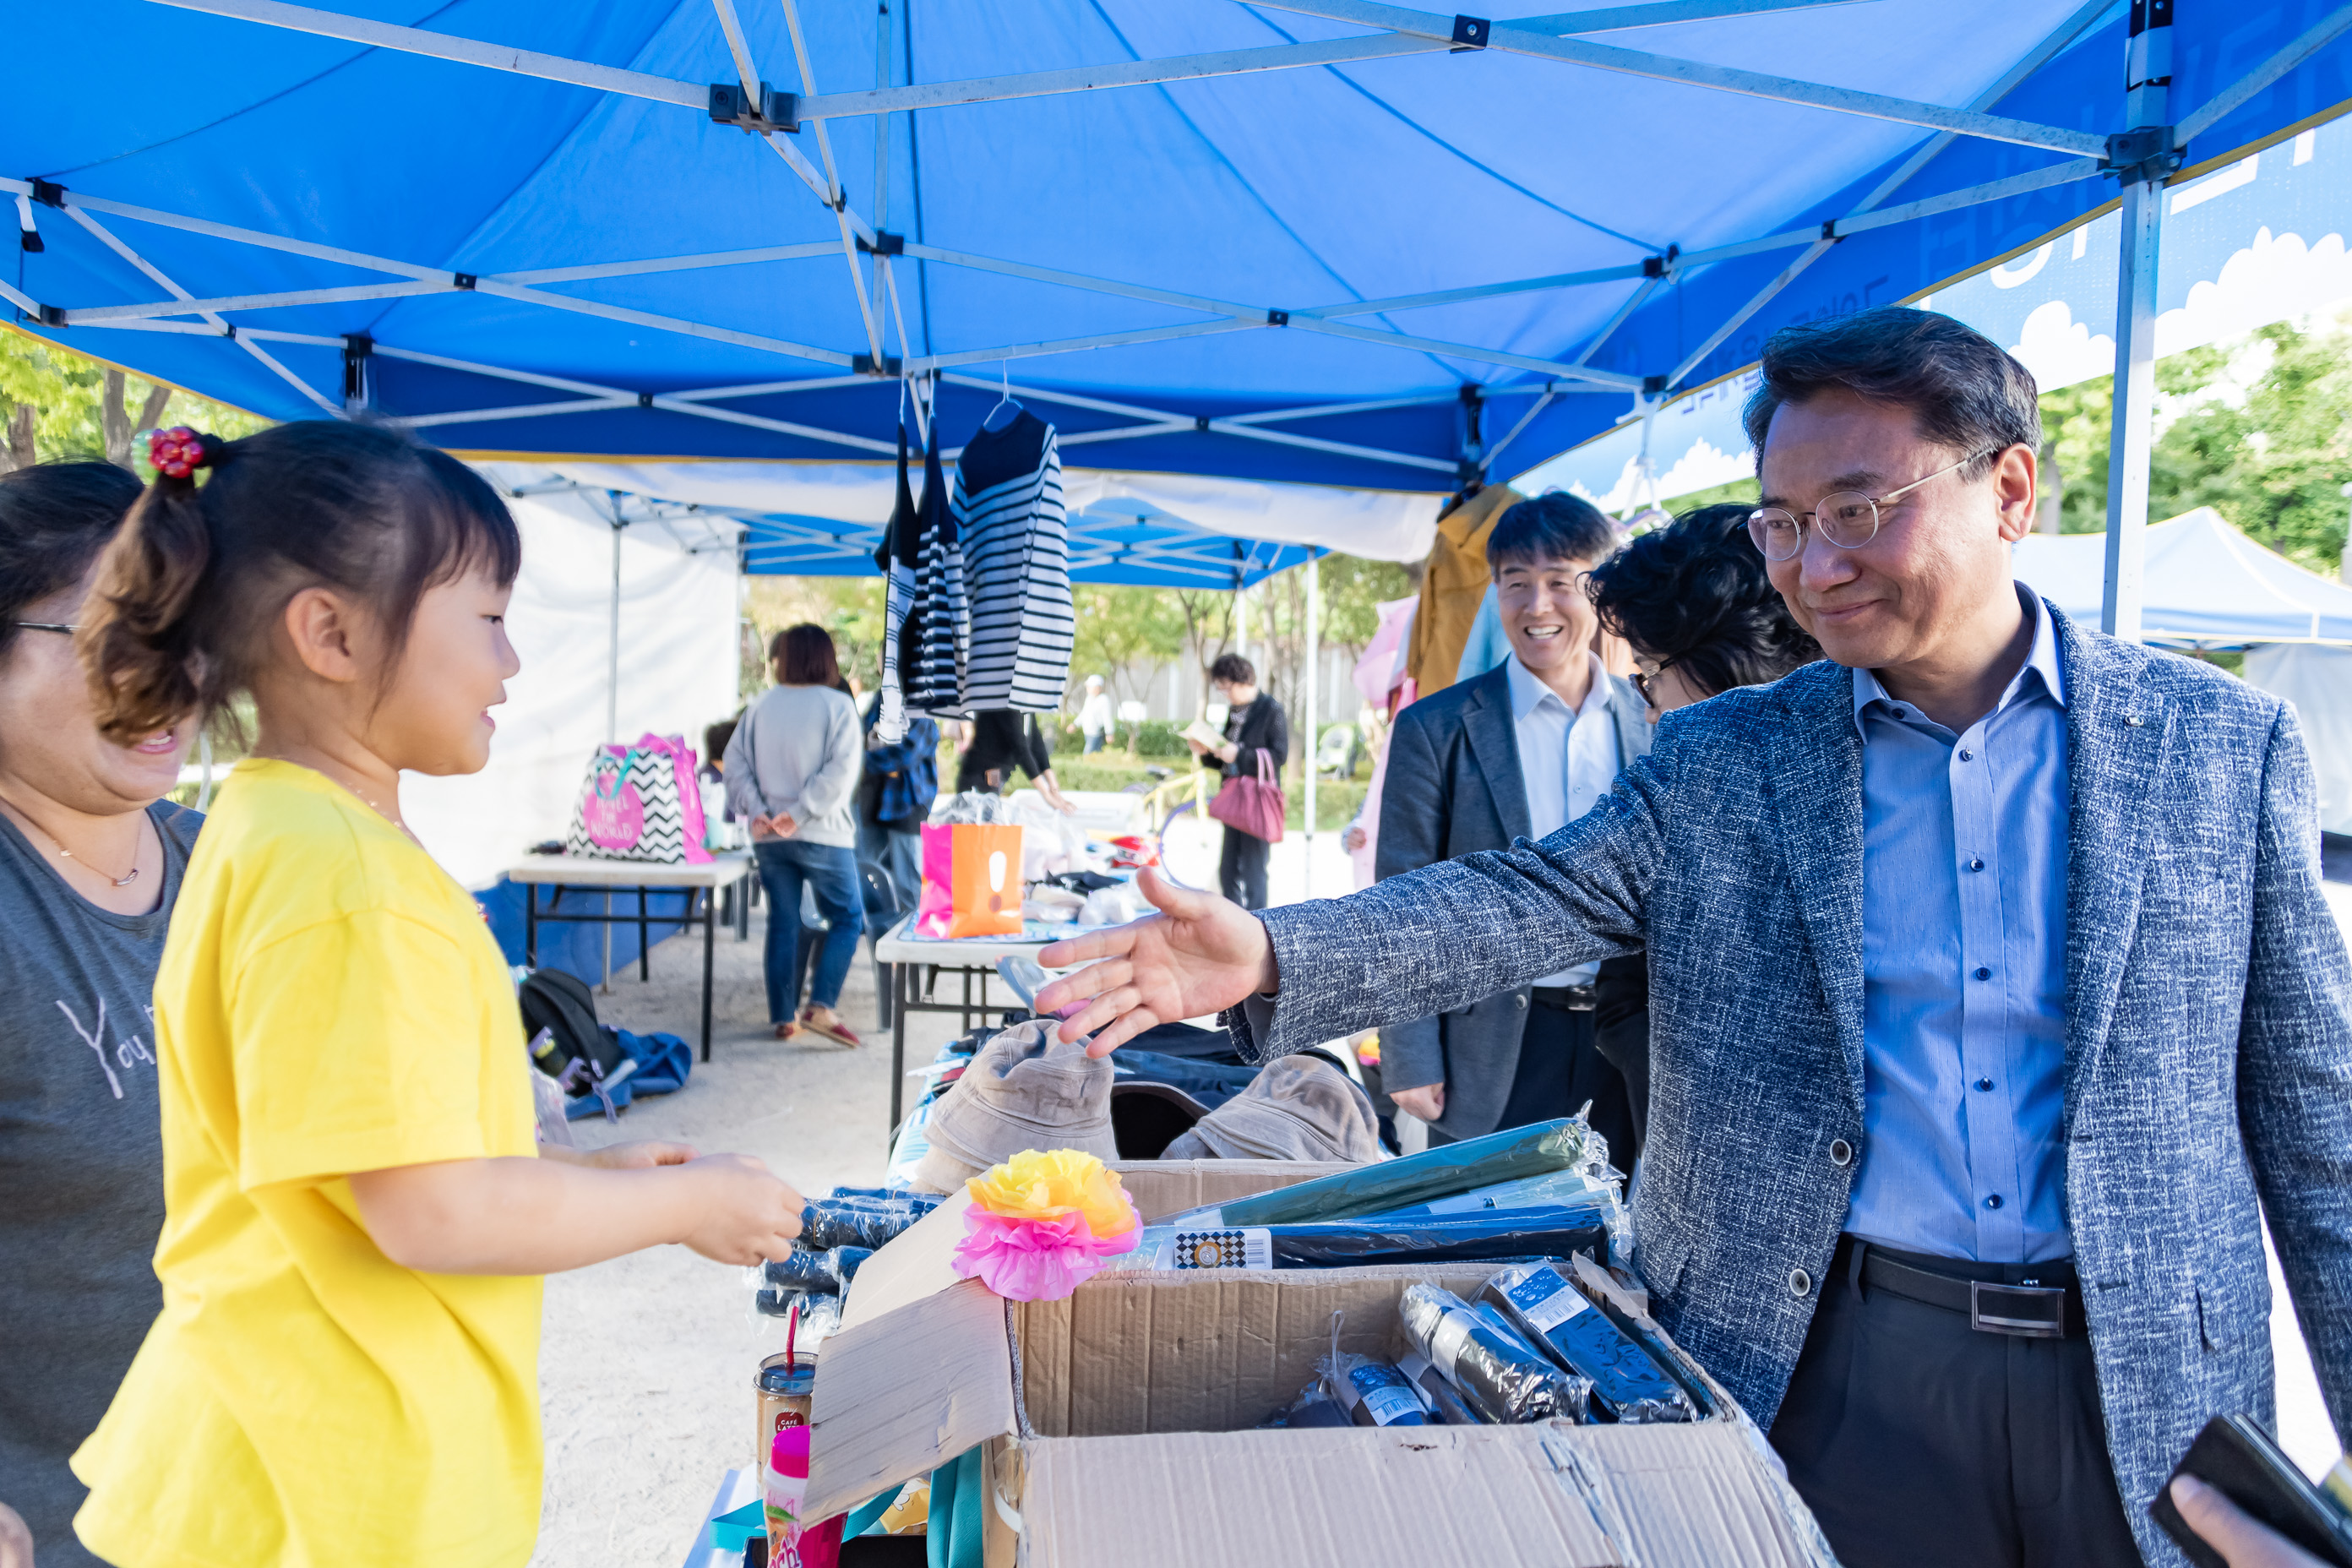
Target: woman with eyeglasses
{"points": [[91, 860], [1693, 602]]}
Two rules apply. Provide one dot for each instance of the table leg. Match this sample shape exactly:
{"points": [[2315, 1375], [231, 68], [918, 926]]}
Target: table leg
{"points": [[709, 936], [744, 909], [530, 924], [645, 942], [905, 977]]}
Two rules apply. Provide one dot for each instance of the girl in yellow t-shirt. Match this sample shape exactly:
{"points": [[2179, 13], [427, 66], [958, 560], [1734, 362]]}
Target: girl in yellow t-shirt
{"points": [[356, 1211]]}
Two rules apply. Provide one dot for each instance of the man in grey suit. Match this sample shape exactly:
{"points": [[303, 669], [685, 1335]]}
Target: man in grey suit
{"points": [[1994, 1002], [1516, 752]]}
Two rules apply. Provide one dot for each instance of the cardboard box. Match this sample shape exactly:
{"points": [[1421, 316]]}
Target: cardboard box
{"points": [[1116, 1425]]}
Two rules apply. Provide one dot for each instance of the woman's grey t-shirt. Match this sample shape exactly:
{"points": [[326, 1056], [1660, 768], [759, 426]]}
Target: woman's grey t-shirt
{"points": [[81, 1167]]}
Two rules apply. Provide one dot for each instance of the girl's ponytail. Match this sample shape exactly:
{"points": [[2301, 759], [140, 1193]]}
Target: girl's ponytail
{"points": [[182, 618], [139, 641]]}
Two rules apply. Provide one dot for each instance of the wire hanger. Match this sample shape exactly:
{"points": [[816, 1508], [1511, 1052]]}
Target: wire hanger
{"points": [[1004, 377]]}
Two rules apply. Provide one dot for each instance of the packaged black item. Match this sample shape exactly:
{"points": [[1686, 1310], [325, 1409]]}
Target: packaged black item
{"points": [[1373, 1393], [1487, 1236], [1445, 1401], [1549, 1307], [1499, 1375], [1417, 1178], [1313, 1407], [860, 1222], [803, 1269]]}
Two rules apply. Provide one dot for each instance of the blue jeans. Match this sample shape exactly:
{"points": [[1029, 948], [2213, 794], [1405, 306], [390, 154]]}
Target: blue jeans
{"points": [[1094, 742], [832, 870]]}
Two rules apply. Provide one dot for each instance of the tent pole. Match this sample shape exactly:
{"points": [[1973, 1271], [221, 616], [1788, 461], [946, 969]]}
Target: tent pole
{"points": [[1314, 654], [2132, 433], [613, 638]]}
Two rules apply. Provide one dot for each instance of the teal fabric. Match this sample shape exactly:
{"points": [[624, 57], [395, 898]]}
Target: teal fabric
{"points": [[952, 1537], [866, 1518], [1487, 646]]}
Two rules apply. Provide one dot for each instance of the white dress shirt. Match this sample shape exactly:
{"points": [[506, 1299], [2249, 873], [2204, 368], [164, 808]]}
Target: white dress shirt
{"points": [[1566, 762]]}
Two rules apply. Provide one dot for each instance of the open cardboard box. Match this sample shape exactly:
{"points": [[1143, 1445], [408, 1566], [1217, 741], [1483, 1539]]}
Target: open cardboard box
{"points": [[1115, 1425]]}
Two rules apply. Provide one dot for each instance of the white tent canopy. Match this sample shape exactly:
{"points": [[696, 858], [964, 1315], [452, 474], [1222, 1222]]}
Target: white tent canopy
{"points": [[1385, 525], [2208, 585]]}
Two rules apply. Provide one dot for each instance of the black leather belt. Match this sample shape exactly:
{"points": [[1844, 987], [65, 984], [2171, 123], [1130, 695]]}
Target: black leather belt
{"points": [[1574, 998], [2046, 1305]]}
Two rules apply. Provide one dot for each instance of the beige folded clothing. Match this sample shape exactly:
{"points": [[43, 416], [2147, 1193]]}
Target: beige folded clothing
{"points": [[1025, 1089], [1298, 1108]]}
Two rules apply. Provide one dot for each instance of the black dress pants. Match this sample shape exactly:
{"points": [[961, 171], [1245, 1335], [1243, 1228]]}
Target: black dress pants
{"points": [[1560, 1069], [1241, 869], [1921, 1442]]}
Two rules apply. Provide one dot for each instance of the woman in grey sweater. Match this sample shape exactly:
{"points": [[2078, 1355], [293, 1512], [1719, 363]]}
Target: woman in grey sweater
{"points": [[792, 772]]}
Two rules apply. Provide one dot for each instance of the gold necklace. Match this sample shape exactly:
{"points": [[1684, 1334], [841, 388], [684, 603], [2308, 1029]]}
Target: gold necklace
{"points": [[19, 813]]}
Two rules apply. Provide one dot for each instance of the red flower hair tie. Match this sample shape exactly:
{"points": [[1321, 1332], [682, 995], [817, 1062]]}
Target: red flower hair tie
{"points": [[177, 452]]}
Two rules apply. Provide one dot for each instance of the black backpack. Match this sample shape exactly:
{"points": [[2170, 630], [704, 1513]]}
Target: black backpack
{"points": [[562, 1004]]}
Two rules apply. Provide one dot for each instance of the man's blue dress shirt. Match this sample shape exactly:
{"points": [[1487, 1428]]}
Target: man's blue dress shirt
{"points": [[1964, 970]]}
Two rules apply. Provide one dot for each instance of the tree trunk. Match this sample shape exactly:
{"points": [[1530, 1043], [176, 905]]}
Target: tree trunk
{"points": [[113, 423], [151, 413], [18, 453]]}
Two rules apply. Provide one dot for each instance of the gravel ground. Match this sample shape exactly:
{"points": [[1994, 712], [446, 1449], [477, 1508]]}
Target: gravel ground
{"points": [[646, 1362]]}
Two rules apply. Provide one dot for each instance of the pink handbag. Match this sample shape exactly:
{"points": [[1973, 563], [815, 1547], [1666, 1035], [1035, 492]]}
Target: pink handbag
{"points": [[1252, 806], [640, 802]]}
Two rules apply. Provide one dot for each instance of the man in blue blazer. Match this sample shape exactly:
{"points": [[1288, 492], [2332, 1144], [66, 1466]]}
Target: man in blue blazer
{"points": [[1515, 753], [1994, 1002]]}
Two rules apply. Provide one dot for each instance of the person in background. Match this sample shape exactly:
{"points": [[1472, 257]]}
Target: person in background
{"points": [[792, 768], [1693, 602], [90, 862], [1512, 755], [1004, 740], [1095, 715], [1256, 727], [356, 1211], [901, 781], [714, 748]]}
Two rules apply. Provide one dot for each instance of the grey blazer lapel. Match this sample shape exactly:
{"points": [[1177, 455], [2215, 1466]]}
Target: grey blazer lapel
{"points": [[2118, 733], [1816, 785], [1495, 742]]}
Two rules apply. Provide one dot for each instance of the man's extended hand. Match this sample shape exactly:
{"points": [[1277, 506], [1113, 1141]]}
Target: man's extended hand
{"points": [[1201, 955]]}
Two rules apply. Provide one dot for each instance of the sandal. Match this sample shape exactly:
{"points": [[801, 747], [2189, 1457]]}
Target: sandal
{"points": [[836, 1031], [786, 1031]]}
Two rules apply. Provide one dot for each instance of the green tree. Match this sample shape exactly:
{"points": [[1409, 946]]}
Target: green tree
{"points": [[56, 404], [1123, 634], [2260, 429], [1353, 591]]}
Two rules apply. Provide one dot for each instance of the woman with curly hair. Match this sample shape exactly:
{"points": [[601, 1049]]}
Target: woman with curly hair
{"points": [[1693, 601]]}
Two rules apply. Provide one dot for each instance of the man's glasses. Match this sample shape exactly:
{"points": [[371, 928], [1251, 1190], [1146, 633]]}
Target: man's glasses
{"points": [[1848, 520]]}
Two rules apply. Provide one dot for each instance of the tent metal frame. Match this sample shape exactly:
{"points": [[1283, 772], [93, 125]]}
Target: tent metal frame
{"points": [[2143, 158]]}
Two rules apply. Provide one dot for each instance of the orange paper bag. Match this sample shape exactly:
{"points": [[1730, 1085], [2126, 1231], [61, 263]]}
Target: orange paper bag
{"points": [[972, 880]]}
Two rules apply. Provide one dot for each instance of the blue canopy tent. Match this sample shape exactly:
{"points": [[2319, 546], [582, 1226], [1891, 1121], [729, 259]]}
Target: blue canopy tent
{"points": [[1311, 242]]}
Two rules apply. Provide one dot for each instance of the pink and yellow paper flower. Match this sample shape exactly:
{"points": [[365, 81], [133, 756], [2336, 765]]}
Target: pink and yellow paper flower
{"points": [[1043, 1222]]}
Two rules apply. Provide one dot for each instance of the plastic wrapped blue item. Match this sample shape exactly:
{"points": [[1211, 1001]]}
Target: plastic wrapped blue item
{"points": [[1373, 1393], [1435, 1238], [1498, 1373], [860, 1222], [1543, 1302], [803, 1269], [1454, 1168]]}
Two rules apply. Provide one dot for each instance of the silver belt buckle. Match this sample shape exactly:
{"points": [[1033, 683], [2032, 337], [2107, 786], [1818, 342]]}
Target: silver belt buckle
{"points": [[1996, 1309]]}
